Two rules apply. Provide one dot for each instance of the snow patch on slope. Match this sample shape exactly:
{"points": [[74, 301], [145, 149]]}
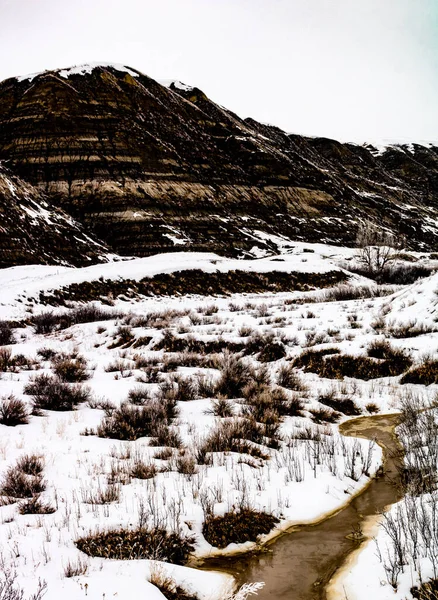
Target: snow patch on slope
{"points": [[86, 69], [179, 85]]}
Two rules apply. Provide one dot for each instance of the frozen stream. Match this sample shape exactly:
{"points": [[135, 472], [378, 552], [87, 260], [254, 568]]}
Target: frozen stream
{"points": [[299, 564]]}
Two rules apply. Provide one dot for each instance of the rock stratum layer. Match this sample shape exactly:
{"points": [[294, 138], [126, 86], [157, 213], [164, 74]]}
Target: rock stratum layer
{"points": [[32, 231], [149, 168]]}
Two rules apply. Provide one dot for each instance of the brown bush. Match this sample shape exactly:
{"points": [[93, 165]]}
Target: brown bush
{"points": [[332, 365], [71, 369], [324, 415], [48, 393], [237, 527], [168, 587], [6, 334], [132, 422], [34, 506], [343, 405], [13, 411], [124, 544], [425, 373], [290, 379]]}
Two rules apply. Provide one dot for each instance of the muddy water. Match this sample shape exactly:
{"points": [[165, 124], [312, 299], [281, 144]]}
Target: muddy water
{"points": [[299, 564]]}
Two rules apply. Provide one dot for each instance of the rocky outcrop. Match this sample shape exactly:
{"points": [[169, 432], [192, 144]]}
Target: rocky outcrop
{"points": [[150, 168], [32, 231]]}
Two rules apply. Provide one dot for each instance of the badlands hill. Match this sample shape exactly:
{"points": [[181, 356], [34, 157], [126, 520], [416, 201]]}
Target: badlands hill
{"points": [[148, 168]]}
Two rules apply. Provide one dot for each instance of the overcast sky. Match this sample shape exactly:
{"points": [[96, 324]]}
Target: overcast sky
{"points": [[349, 69]]}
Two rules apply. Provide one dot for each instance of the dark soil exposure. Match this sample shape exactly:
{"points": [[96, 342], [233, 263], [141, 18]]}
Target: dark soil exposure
{"points": [[193, 281], [299, 564]]}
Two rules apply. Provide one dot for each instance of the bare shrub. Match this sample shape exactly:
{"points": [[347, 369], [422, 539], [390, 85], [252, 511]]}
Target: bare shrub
{"points": [[6, 361], [74, 569], [48, 393], [124, 337], [139, 395], [268, 348], [325, 415], [237, 527], [142, 470], [236, 435], [6, 334], [329, 363], [221, 407], [166, 436], [71, 369], [426, 373], [168, 587], [409, 329], [35, 506], [46, 353], [102, 495], [182, 389], [13, 411], [376, 249], [132, 422], [340, 404], [10, 590], [206, 386], [344, 292], [235, 375], [142, 543], [31, 464], [186, 464], [45, 322], [289, 378], [121, 366], [25, 479]]}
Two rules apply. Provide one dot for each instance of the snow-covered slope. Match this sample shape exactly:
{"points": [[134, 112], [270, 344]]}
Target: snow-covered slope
{"points": [[34, 231]]}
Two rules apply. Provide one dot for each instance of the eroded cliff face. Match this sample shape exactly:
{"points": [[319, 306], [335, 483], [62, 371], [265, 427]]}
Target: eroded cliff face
{"points": [[32, 231], [149, 168]]}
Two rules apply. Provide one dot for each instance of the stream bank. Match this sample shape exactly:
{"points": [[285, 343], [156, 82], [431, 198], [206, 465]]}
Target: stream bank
{"points": [[300, 563]]}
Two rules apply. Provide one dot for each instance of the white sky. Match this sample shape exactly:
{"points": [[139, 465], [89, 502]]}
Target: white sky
{"points": [[349, 69]]}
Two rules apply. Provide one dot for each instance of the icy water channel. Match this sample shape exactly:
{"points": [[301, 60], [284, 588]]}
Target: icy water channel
{"points": [[299, 564]]}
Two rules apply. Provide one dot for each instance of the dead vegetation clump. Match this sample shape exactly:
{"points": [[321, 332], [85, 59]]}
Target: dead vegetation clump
{"points": [[347, 406], [25, 479], [239, 435], [329, 363], [235, 374], [426, 373], [409, 329], [193, 281], [168, 587], [49, 321], [35, 506], [71, 369], [49, 393], [238, 527], [130, 422], [13, 411], [7, 337], [289, 378], [324, 415], [142, 543]]}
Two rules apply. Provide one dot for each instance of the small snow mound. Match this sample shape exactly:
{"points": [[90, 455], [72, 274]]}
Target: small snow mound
{"points": [[419, 302], [174, 83]]}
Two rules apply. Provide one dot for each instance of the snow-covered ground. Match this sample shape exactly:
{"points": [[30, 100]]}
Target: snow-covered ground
{"points": [[293, 482]]}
